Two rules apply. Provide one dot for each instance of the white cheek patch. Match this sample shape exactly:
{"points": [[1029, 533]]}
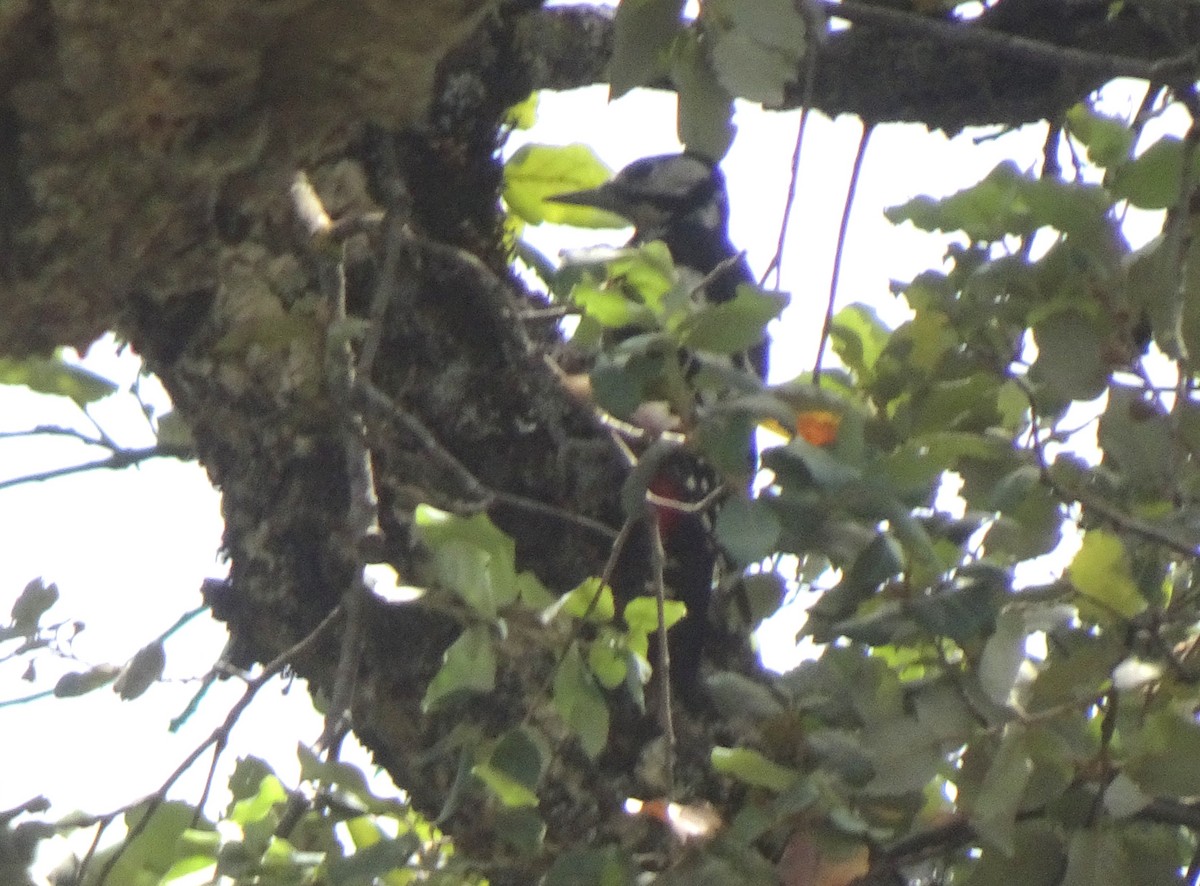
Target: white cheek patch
{"points": [[681, 177], [709, 216], [648, 219]]}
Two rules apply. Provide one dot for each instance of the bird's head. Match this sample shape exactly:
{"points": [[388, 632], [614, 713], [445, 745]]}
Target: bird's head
{"points": [[657, 193]]}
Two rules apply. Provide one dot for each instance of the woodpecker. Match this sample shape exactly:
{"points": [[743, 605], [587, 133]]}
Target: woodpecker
{"points": [[681, 199]]}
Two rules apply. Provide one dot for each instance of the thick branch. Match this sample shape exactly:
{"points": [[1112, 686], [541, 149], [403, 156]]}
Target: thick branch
{"points": [[1020, 63]]}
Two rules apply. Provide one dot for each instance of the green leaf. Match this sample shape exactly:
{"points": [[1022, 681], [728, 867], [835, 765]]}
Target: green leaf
{"points": [[617, 389], [153, 850], [532, 593], [143, 670], [649, 270], [1002, 656], [904, 757], [623, 378], [1108, 139], [608, 660], [820, 467], [994, 812], [724, 438], [580, 704], [734, 326], [942, 711], [1029, 525], [607, 866], [52, 375], [507, 790], [965, 609], [738, 697], [469, 665], [1037, 858], [879, 561], [887, 623], [520, 756], [521, 828], [747, 529], [82, 682], [641, 614], [247, 775], [471, 557], [751, 767], [1154, 851], [756, 48], [1101, 573], [349, 779], [1077, 671], [705, 124], [858, 337], [193, 863], [523, 114], [1138, 440], [32, 603], [764, 592], [611, 308], [1123, 798], [1153, 179], [643, 31], [591, 600], [1164, 755], [1097, 856], [1008, 201], [371, 861], [1070, 363], [174, 432], [269, 793], [535, 173], [1154, 291]]}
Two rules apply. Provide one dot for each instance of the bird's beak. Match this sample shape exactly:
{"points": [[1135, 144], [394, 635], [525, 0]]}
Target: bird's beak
{"points": [[606, 205], [601, 197]]}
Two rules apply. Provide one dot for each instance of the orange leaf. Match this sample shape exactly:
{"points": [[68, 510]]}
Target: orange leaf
{"points": [[818, 426]]}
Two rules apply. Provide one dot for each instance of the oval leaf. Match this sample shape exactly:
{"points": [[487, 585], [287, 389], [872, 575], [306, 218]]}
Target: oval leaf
{"points": [[469, 665], [143, 670]]}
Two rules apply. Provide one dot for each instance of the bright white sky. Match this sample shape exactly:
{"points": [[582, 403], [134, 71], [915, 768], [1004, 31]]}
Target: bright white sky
{"points": [[129, 550]]}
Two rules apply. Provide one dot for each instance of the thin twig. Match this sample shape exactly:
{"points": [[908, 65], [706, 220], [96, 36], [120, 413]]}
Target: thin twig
{"points": [[122, 458], [393, 287], [374, 401], [722, 267], [1051, 167], [810, 76], [362, 513], [346, 672], [610, 566], [687, 507], [479, 497], [658, 560], [54, 431], [1095, 503], [25, 699], [557, 312], [218, 738], [537, 507], [105, 439], [843, 229]]}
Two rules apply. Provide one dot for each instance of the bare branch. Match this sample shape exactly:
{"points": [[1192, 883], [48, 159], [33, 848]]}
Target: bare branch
{"points": [[122, 458]]}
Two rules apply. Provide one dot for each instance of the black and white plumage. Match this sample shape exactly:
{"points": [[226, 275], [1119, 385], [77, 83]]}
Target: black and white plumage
{"points": [[681, 200]]}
